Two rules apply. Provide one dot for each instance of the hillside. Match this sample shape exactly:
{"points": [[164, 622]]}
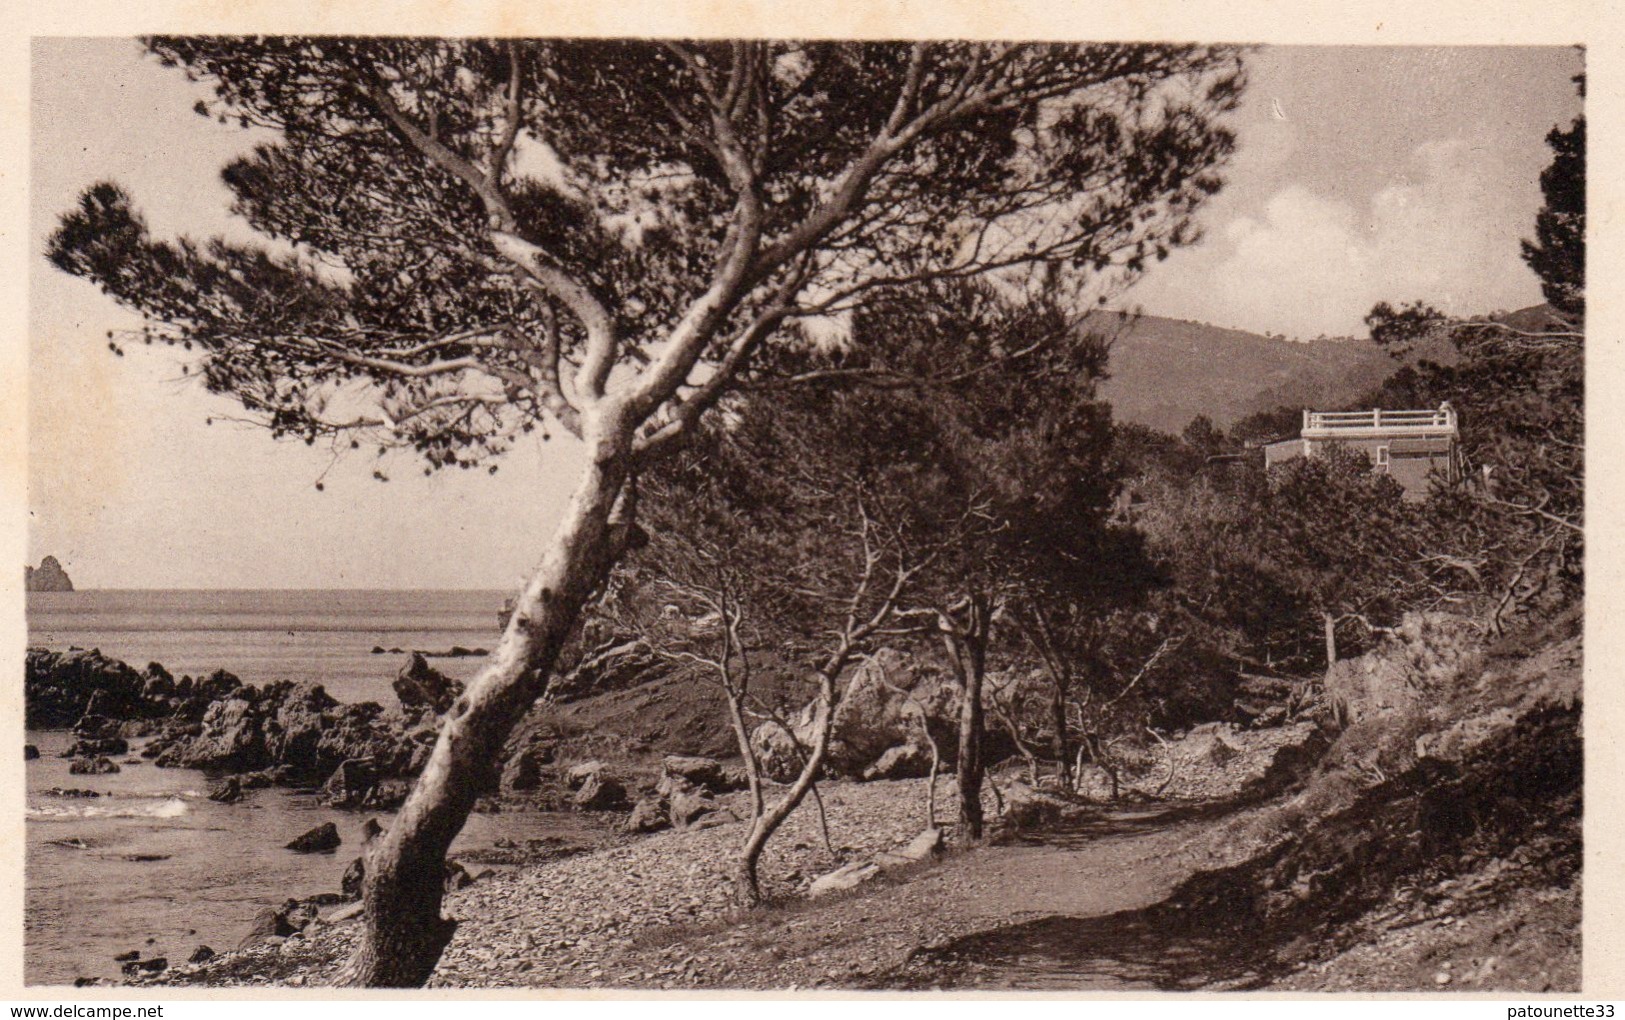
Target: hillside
{"points": [[1165, 372]]}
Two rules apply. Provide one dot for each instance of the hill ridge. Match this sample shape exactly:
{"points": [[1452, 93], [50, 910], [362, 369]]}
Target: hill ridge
{"points": [[1164, 371]]}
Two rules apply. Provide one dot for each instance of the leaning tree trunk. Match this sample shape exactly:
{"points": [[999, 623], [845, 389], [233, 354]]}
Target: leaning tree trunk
{"points": [[747, 886], [1330, 625], [403, 933]]}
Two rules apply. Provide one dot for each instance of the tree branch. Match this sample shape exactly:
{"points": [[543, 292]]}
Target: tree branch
{"points": [[513, 113]]}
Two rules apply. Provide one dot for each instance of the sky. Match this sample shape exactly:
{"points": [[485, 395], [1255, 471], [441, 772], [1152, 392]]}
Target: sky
{"points": [[1362, 174], [1370, 174]]}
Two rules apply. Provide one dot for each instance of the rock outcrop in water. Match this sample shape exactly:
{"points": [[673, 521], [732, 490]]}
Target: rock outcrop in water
{"points": [[324, 838], [282, 733], [58, 688], [92, 767], [48, 577], [297, 734], [420, 685]]}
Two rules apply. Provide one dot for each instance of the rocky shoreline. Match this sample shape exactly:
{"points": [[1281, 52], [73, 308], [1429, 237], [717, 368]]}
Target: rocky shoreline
{"points": [[671, 821], [365, 755], [602, 904], [289, 734], [1266, 835]]}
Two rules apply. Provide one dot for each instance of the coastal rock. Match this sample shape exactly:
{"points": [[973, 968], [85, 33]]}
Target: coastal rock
{"points": [[92, 767], [263, 779], [370, 830], [58, 687], [297, 723], [30, 752], [396, 746], [457, 877], [695, 771], [194, 698], [323, 838], [421, 686], [350, 783], [687, 808], [1025, 807], [524, 769], [878, 712], [95, 747], [901, 762], [96, 734], [594, 789], [273, 924], [157, 684], [578, 774], [454, 652], [202, 954], [351, 886], [683, 775], [599, 792], [139, 968], [231, 740], [282, 733], [615, 662], [230, 791], [387, 794], [848, 877], [354, 877], [710, 820], [297, 731], [648, 815], [265, 927], [927, 844], [48, 576], [127, 957]]}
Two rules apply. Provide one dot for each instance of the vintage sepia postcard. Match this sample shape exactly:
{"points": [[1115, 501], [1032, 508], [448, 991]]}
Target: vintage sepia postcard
{"points": [[930, 499]]}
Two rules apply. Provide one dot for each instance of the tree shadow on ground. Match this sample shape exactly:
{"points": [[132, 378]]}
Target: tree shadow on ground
{"points": [[1124, 820], [1151, 948], [1246, 925]]}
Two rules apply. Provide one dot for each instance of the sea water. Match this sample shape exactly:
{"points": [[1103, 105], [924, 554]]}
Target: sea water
{"points": [[321, 636], [152, 864]]}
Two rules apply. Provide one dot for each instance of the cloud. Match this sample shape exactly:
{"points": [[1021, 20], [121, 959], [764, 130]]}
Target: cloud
{"points": [[1446, 230]]}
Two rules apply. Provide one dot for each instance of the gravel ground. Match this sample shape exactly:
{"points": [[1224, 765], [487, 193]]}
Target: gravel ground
{"points": [[562, 923]]}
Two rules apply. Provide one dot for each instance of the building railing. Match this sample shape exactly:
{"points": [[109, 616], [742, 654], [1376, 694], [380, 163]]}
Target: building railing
{"points": [[1443, 418]]}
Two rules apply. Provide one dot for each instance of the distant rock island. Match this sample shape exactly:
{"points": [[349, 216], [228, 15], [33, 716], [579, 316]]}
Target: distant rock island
{"points": [[49, 577]]}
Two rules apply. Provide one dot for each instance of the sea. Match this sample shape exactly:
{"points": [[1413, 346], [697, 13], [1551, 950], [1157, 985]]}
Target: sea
{"points": [[152, 864]]}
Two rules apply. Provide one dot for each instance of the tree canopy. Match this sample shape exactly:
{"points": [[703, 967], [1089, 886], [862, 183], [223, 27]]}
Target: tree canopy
{"points": [[465, 237]]}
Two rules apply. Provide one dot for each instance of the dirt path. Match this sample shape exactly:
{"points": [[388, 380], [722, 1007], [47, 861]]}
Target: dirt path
{"points": [[895, 932]]}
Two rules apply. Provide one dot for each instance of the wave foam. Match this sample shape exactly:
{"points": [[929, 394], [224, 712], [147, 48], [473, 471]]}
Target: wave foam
{"points": [[169, 807]]}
